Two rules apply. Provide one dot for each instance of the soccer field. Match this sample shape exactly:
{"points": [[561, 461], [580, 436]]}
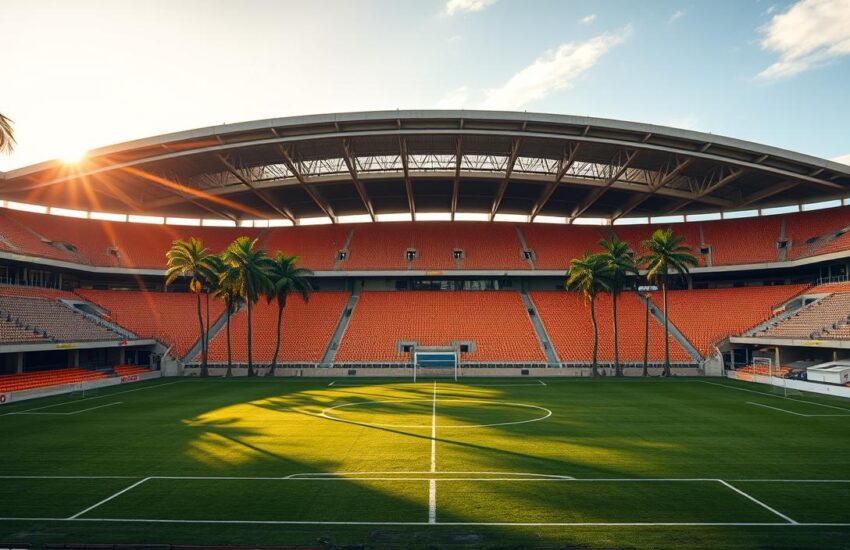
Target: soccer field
{"points": [[388, 463]]}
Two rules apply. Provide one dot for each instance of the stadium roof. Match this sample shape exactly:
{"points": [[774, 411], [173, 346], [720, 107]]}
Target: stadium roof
{"points": [[416, 162]]}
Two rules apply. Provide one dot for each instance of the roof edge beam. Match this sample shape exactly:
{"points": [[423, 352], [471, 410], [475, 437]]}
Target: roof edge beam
{"points": [[250, 185], [503, 187], [348, 158]]}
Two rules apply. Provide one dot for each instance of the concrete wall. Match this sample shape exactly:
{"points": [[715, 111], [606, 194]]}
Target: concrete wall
{"points": [[13, 397]]}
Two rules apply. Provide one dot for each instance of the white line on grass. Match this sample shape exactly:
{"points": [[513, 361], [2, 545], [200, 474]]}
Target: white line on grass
{"points": [[541, 382], [432, 483], [110, 394], [107, 499], [322, 475], [765, 394], [795, 413], [757, 501], [332, 383], [69, 413], [450, 523]]}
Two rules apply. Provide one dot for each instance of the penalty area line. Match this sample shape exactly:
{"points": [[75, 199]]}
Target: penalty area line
{"points": [[107, 499], [757, 501]]}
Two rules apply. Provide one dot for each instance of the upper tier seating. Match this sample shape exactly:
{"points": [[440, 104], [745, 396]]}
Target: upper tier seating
{"points": [[39, 379], [484, 246], [18, 238], [814, 320], [170, 317], [315, 246], [566, 318], [708, 316], [36, 292], [818, 227], [306, 330], [743, 241], [636, 234], [56, 321], [496, 321], [555, 245]]}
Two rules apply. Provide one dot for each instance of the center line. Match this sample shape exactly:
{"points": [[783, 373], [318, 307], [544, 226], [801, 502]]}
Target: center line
{"points": [[432, 483]]}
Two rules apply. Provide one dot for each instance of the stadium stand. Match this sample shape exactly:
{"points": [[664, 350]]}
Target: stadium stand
{"points": [[54, 377], [54, 320], [306, 330], [815, 320], [129, 370], [566, 317], [36, 292], [17, 238], [636, 234], [316, 246], [764, 370], [707, 316], [170, 317], [495, 321], [811, 231], [484, 246], [555, 245], [729, 248], [12, 333]]}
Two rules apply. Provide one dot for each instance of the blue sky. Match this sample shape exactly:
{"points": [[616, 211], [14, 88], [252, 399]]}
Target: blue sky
{"points": [[85, 74]]}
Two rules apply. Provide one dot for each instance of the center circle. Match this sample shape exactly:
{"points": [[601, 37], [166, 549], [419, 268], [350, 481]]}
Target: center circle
{"points": [[449, 413]]}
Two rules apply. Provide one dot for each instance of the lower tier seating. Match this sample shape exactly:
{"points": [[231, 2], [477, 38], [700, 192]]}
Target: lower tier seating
{"points": [[708, 316], [815, 320], [306, 330], [52, 320], [496, 322], [566, 318], [129, 370], [170, 317], [31, 380]]}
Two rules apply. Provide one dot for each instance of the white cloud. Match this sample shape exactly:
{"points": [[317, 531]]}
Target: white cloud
{"points": [[465, 6], [807, 35], [456, 99], [552, 71], [676, 16], [588, 19], [844, 159]]}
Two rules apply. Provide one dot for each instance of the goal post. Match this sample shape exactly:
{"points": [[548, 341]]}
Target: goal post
{"points": [[431, 361]]}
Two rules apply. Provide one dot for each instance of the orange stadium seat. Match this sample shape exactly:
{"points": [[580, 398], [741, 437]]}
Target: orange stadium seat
{"points": [[170, 317], [636, 234], [566, 317], [555, 245], [728, 246], [39, 379], [316, 246], [708, 316], [496, 321], [812, 226], [306, 330]]}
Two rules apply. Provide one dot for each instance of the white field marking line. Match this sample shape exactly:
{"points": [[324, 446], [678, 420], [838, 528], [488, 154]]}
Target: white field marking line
{"points": [[450, 523], [763, 394], [324, 413], [795, 413], [69, 477], [111, 394], [332, 383], [344, 474], [107, 499], [495, 385], [70, 413], [541, 382], [757, 501], [432, 483]]}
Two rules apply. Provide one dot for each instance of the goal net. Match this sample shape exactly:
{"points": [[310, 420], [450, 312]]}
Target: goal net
{"points": [[434, 363]]}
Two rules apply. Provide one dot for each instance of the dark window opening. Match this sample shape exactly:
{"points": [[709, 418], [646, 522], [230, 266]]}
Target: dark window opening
{"points": [[341, 255], [527, 254], [458, 254], [410, 254]]}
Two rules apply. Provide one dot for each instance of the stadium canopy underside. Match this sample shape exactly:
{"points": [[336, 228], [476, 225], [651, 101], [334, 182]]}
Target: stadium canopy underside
{"points": [[420, 162]]}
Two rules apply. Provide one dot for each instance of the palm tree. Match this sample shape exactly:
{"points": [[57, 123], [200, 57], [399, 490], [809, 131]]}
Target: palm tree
{"points": [[191, 259], [621, 264], [666, 254], [250, 267], [212, 282], [645, 298], [286, 277], [228, 293], [7, 135], [588, 276]]}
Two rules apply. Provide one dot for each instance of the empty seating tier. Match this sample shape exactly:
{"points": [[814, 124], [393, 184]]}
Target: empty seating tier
{"points": [[707, 316], [566, 318], [815, 320], [306, 330], [170, 317], [53, 320], [39, 379], [495, 322]]}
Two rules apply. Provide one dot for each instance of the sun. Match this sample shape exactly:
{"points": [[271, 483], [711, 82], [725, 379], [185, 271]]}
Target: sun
{"points": [[71, 155]]}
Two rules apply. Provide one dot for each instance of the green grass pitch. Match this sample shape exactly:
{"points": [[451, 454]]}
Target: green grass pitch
{"points": [[609, 463]]}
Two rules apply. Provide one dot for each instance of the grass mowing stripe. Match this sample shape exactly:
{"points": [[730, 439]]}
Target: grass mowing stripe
{"points": [[757, 501]]}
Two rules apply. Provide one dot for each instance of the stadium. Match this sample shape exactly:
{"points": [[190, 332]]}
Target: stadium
{"points": [[432, 371]]}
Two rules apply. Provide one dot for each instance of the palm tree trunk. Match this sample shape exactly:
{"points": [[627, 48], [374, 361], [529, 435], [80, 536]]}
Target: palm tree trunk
{"points": [[250, 338], [277, 342], [595, 336], [229, 361], [666, 332], [207, 333], [203, 348], [617, 370], [646, 337]]}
